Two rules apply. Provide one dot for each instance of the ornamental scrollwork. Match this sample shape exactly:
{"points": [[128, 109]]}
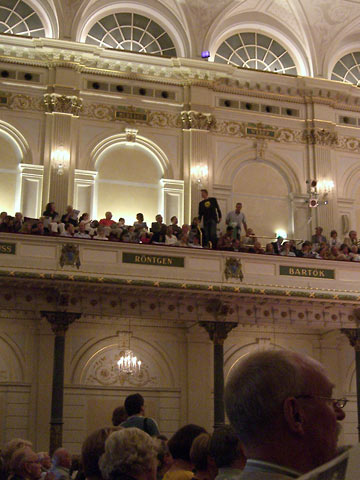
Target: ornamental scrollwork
{"points": [[197, 120], [55, 103]]}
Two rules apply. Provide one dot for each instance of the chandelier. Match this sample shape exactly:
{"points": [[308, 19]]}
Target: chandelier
{"points": [[128, 363]]}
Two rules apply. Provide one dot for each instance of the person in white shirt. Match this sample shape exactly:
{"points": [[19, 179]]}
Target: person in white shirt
{"points": [[82, 231], [236, 219]]}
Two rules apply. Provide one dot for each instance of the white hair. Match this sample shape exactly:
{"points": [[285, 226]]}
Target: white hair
{"points": [[128, 451], [257, 389]]}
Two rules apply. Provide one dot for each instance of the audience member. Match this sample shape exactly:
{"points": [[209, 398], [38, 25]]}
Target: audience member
{"points": [[158, 229], [8, 451], [85, 218], [285, 250], [278, 245], [210, 213], [100, 233], [257, 248], [170, 238], [196, 231], [204, 466], [184, 240], [236, 219], [250, 238], [91, 451], [7, 225], [45, 461], [50, 212], [129, 454], [69, 230], [145, 237], [269, 249], [344, 252], [164, 457], [351, 239], [38, 228], [354, 254], [318, 237], [175, 227], [18, 221], [70, 216], [226, 241], [25, 465], [2, 216], [140, 224], [107, 221], [305, 250], [82, 233], [119, 415], [280, 405], [180, 446], [135, 408], [61, 463], [226, 450], [334, 241]]}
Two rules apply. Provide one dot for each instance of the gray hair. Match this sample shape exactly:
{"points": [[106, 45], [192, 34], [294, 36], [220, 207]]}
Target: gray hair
{"points": [[128, 451], [18, 459], [257, 389]]}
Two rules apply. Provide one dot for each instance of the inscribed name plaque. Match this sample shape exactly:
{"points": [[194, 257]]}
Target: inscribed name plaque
{"points": [[8, 248], [307, 272], [159, 260]]}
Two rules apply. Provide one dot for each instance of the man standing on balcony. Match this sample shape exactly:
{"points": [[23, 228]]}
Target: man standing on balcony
{"points": [[209, 211], [236, 219]]}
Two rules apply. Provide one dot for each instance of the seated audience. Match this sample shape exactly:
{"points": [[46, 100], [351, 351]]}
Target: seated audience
{"points": [[249, 238], [183, 240], [282, 407], [2, 216], [285, 250], [175, 227], [195, 243], [100, 233], [69, 230], [323, 252], [145, 237], [354, 254], [140, 224], [226, 240], [18, 222], [306, 250], [7, 225], [226, 450], [91, 451], [334, 241], [180, 446], [50, 212], [129, 453], [170, 238], [196, 231], [257, 248], [7, 452], [70, 216], [334, 253], [344, 253], [278, 244], [61, 464], [38, 229], [82, 233], [158, 229], [318, 237], [26, 228], [85, 218], [204, 466], [351, 239], [164, 457], [107, 221], [45, 461]]}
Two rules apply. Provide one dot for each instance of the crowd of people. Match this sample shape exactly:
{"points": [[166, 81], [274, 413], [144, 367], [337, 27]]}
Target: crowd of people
{"points": [[284, 422], [202, 233]]}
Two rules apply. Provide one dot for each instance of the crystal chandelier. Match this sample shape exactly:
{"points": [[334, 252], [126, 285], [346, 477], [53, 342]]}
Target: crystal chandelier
{"points": [[128, 363]]}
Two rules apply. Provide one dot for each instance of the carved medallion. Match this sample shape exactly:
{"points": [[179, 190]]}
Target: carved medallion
{"points": [[233, 269], [70, 255]]}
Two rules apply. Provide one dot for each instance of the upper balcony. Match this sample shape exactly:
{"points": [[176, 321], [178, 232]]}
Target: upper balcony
{"points": [[243, 287]]}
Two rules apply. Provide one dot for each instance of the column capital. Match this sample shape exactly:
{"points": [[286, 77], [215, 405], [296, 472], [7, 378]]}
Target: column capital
{"points": [[197, 120], [218, 331], [321, 136], [353, 335], [60, 321], [56, 103]]}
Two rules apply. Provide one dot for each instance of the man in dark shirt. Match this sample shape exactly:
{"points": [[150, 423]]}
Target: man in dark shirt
{"points": [[209, 211]]}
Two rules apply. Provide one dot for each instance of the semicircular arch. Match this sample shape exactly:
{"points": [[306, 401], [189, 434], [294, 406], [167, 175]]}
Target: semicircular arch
{"points": [[21, 144], [96, 364], [159, 13], [239, 158], [142, 142]]}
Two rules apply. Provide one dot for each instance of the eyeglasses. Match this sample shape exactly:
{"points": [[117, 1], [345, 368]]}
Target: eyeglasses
{"points": [[337, 402]]}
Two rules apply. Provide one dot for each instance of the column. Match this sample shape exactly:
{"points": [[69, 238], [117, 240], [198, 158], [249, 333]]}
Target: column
{"points": [[59, 322], [197, 158], [353, 334], [60, 146], [218, 332]]}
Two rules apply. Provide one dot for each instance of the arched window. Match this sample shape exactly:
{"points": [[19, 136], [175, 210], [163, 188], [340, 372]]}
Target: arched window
{"points": [[347, 69], [255, 50], [18, 18], [130, 31]]}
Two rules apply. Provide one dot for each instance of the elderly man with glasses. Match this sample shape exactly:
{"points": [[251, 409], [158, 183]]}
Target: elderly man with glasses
{"points": [[281, 405]]}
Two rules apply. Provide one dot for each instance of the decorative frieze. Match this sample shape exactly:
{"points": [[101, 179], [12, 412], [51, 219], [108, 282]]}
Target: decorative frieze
{"points": [[321, 136], [55, 103]]}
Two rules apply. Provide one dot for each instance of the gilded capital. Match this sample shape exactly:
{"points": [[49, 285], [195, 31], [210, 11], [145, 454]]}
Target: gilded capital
{"points": [[353, 335], [60, 321], [55, 103], [218, 331], [197, 120], [321, 136]]}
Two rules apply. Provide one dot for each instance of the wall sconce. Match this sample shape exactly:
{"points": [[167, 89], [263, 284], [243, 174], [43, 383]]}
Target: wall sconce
{"points": [[61, 159], [319, 192], [199, 174]]}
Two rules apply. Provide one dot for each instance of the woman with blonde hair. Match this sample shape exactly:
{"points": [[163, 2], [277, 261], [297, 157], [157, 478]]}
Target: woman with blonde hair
{"points": [[205, 468]]}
